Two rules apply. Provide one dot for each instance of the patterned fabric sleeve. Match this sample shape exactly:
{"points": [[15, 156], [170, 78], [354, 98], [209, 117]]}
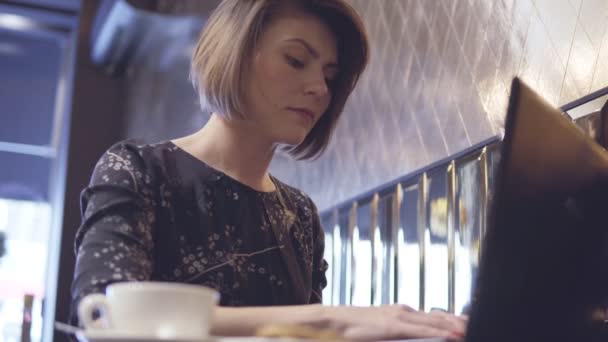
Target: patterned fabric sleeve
{"points": [[114, 242], [319, 265]]}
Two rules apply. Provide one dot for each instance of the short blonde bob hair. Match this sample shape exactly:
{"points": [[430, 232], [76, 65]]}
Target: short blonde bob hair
{"points": [[226, 45]]}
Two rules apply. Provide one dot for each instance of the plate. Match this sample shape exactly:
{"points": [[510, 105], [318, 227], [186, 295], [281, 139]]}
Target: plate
{"points": [[103, 335]]}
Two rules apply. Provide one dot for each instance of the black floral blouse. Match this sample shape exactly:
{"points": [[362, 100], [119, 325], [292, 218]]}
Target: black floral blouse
{"points": [[155, 212]]}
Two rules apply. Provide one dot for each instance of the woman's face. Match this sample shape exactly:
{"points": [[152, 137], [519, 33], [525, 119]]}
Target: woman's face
{"points": [[292, 67]]}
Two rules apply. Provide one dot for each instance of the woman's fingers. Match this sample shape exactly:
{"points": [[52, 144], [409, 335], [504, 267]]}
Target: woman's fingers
{"points": [[394, 330], [398, 322], [422, 331], [438, 320], [457, 323]]}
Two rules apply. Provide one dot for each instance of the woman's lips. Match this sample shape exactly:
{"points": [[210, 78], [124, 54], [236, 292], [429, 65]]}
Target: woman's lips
{"points": [[308, 114]]}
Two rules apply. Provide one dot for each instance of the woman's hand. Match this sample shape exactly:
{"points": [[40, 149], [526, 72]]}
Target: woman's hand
{"points": [[392, 322]]}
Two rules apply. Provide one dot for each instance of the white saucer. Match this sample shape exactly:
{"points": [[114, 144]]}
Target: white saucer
{"points": [[104, 335]]}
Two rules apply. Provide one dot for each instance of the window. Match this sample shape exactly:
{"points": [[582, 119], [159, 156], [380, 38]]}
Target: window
{"points": [[35, 65]]}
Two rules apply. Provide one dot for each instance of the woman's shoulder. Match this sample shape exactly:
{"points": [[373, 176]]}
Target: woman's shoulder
{"points": [[131, 159], [164, 163], [137, 148], [123, 161], [138, 154]]}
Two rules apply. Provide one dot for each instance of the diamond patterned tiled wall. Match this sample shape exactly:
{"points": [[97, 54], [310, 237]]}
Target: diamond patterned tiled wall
{"points": [[439, 78], [437, 83]]}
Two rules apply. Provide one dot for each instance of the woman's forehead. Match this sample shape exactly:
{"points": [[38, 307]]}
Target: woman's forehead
{"points": [[300, 27]]}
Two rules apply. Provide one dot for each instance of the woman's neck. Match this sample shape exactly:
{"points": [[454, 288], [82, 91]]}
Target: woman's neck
{"points": [[233, 147]]}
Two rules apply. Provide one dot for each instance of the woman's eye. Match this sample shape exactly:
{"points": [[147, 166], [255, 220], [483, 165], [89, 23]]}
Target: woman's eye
{"points": [[294, 62]]}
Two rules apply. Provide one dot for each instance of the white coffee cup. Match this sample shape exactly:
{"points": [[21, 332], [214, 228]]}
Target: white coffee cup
{"points": [[151, 309]]}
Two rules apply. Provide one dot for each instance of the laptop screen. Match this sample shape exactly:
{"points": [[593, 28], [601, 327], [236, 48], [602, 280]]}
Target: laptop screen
{"points": [[544, 266]]}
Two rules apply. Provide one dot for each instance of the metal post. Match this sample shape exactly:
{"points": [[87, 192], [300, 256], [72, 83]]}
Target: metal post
{"points": [[376, 288], [451, 221], [422, 223], [350, 257], [394, 245], [484, 188]]}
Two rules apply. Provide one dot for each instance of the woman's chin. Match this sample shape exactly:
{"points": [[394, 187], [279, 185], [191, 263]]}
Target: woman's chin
{"points": [[293, 140]]}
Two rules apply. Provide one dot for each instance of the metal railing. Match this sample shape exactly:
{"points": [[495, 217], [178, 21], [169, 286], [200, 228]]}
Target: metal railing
{"points": [[417, 240]]}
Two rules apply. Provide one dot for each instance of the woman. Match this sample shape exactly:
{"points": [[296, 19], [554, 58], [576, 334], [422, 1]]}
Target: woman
{"points": [[204, 209]]}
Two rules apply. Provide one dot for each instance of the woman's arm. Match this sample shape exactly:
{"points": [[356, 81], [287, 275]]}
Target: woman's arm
{"points": [[114, 242], [245, 321], [319, 265], [356, 323]]}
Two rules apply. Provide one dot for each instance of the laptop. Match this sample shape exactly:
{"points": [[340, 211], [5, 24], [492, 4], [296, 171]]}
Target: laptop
{"points": [[544, 267]]}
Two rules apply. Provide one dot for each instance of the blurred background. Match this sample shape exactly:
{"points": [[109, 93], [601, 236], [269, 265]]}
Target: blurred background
{"points": [[405, 181]]}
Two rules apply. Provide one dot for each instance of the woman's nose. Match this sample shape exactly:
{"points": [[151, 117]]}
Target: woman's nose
{"points": [[318, 86]]}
